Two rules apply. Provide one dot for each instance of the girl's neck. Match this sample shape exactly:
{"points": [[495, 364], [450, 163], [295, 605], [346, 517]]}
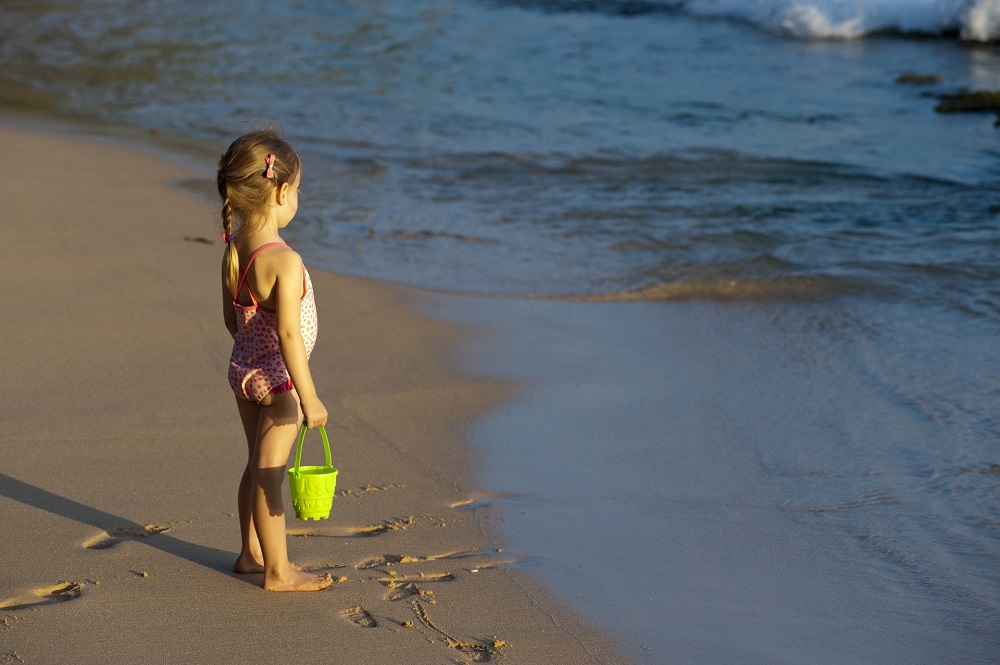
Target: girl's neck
{"points": [[259, 237]]}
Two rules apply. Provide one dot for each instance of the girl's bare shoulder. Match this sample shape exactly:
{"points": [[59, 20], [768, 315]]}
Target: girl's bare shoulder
{"points": [[279, 260], [283, 256]]}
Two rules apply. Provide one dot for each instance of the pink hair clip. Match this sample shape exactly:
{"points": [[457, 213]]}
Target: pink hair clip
{"points": [[269, 173]]}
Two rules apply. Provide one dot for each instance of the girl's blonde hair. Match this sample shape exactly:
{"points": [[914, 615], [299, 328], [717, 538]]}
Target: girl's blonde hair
{"points": [[246, 188]]}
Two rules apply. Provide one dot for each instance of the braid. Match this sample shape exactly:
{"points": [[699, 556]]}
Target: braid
{"points": [[231, 257]]}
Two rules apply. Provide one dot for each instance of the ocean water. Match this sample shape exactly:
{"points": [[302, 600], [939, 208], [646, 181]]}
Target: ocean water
{"points": [[747, 277], [751, 482], [628, 149]]}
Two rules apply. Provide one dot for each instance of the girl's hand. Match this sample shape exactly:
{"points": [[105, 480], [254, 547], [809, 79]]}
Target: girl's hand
{"points": [[314, 412]]}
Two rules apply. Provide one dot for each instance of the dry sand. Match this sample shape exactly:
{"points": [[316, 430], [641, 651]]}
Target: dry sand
{"points": [[122, 450]]}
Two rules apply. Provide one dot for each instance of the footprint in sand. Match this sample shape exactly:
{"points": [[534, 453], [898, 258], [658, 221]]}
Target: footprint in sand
{"points": [[396, 524], [368, 489], [407, 589], [360, 617], [477, 652], [475, 560], [112, 537], [48, 595], [387, 560]]}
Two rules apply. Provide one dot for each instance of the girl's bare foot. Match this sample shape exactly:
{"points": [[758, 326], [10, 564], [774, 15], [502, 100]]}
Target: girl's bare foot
{"points": [[247, 565], [298, 581], [250, 566]]}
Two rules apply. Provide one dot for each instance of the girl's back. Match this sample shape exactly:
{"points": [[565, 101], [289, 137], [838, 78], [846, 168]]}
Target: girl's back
{"points": [[263, 272]]}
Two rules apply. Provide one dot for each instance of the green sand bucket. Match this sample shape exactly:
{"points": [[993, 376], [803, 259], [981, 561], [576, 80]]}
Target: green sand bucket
{"points": [[312, 486]]}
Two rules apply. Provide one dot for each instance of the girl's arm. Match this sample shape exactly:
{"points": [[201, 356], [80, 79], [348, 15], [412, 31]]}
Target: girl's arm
{"points": [[288, 293]]}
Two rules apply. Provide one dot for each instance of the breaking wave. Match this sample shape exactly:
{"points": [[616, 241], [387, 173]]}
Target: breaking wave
{"points": [[972, 20]]}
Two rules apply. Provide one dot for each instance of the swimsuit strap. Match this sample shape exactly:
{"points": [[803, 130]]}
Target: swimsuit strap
{"points": [[243, 277]]}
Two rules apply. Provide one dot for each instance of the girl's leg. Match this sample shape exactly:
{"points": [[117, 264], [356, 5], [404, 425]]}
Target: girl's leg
{"points": [[250, 559], [276, 433]]}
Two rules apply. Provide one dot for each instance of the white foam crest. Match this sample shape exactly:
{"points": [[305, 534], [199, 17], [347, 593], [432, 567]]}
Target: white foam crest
{"points": [[807, 20], [975, 20], [982, 21]]}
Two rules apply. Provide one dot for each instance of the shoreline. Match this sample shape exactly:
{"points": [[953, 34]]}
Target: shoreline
{"points": [[123, 449]]}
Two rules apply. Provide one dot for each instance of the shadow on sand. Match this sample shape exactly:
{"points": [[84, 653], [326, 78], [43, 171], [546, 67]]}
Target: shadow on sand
{"points": [[116, 528]]}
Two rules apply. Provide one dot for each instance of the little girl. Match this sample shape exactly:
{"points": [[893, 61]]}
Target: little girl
{"points": [[270, 312]]}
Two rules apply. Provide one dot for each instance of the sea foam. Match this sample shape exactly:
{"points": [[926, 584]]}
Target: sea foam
{"points": [[973, 20]]}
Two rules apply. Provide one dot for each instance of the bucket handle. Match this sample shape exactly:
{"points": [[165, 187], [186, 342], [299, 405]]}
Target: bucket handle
{"points": [[298, 449]]}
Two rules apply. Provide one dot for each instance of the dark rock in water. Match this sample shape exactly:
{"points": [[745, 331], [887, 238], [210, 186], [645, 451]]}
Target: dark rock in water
{"points": [[981, 101], [970, 102], [912, 78]]}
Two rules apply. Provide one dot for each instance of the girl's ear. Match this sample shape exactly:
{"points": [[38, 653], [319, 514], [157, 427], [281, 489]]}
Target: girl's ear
{"points": [[281, 194]]}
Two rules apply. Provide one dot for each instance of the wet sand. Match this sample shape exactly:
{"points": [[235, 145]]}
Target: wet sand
{"points": [[122, 450]]}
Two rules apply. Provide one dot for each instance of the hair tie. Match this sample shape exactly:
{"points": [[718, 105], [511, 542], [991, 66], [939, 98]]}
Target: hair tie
{"points": [[269, 173], [227, 237]]}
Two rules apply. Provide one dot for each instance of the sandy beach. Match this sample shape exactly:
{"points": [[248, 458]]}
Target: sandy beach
{"points": [[658, 333], [122, 450]]}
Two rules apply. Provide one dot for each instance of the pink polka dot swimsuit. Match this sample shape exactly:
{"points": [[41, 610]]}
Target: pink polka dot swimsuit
{"points": [[256, 367]]}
